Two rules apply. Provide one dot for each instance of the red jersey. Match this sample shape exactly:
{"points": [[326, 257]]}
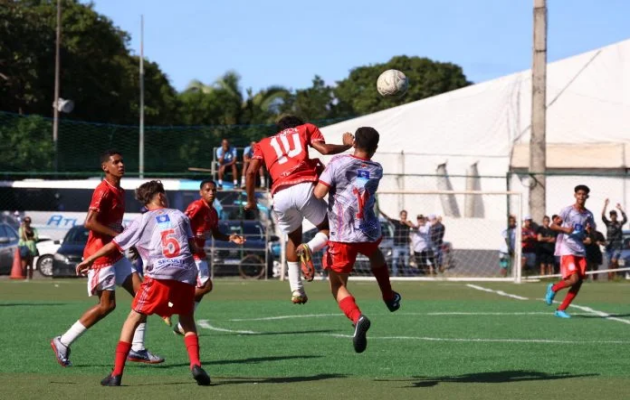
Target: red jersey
{"points": [[286, 156], [203, 219], [109, 202]]}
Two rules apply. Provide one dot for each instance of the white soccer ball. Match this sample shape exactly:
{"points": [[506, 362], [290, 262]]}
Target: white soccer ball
{"points": [[392, 83]]}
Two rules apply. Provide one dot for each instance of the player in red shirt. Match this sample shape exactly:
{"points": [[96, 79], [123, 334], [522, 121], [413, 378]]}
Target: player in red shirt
{"points": [[104, 221], [204, 222], [294, 175], [165, 241]]}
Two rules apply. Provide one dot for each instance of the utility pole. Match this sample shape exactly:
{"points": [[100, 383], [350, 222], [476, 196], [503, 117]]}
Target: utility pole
{"points": [[56, 101], [537, 143], [141, 144]]}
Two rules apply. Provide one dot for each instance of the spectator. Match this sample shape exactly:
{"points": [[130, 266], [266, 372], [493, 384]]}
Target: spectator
{"points": [[529, 243], [594, 239], [247, 157], [614, 236], [27, 245], [546, 247], [437, 238], [422, 245], [402, 230], [506, 252], [226, 156]]}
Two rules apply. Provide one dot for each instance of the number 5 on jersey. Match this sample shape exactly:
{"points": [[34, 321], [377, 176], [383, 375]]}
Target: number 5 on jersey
{"points": [[170, 245], [285, 152]]}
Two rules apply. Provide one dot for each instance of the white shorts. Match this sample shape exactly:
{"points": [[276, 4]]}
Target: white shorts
{"points": [[106, 278], [291, 205], [203, 273]]}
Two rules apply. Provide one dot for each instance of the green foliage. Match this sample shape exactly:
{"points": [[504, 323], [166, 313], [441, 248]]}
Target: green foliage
{"points": [[26, 144]]}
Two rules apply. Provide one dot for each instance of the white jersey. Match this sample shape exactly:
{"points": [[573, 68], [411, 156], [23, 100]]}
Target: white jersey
{"points": [[421, 238], [161, 237], [353, 183], [573, 244]]}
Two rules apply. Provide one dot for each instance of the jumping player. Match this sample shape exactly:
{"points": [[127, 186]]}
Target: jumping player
{"points": [[570, 247], [165, 241], [204, 222], [294, 174], [351, 182], [104, 221]]}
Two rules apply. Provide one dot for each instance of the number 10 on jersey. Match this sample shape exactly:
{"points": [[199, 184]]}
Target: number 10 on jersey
{"points": [[282, 148]]}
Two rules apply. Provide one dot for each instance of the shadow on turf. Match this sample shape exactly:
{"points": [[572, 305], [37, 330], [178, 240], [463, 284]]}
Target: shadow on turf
{"points": [[601, 316], [253, 360], [287, 379], [491, 377], [274, 333]]}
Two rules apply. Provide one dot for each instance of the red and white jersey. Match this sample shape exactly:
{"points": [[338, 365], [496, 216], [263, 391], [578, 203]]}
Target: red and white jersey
{"points": [[109, 202], [203, 220], [161, 237], [286, 155]]}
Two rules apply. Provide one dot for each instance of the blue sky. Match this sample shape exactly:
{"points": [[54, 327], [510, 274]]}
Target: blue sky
{"points": [[287, 42]]}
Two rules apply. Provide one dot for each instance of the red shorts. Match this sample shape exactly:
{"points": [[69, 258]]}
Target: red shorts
{"points": [[570, 265], [164, 298], [340, 257]]}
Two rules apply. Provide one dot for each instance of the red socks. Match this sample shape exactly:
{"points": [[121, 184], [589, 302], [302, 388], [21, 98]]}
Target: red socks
{"points": [[122, 351], [192, 347], [350, 308], [559, 286], [567, 299], [382, 278]]}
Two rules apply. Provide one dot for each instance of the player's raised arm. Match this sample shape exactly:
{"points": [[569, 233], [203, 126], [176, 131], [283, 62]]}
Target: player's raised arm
{"points": [[85, 265], [330, 149]]}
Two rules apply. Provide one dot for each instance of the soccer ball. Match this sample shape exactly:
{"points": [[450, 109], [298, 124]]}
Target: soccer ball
{"points": [[392, 83]]}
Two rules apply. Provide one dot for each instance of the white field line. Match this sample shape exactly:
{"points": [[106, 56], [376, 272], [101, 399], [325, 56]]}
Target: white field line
{"points": [[589, 310], [479, 340], [206, 325], [499, 292], [426, 314]]}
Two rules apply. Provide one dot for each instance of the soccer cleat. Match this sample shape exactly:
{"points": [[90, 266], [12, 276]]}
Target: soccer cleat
{"points": [[299, 297], [201, 376], [144, 356], [62, 352], [112, 380], [561, 314], [167, 321], [178, 330], [394, 304], [306, 262], [359, 340], [549, 296]]}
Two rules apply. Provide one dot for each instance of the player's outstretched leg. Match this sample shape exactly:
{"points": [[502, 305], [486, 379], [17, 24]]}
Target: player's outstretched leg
{"points": [[192, 347], [575, 289], [347, 304], [298, 294], [381, 273], [205, 286], [123, 348]]}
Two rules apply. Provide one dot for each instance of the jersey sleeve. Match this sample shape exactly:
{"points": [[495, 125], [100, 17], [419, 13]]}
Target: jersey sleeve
{"points": [[313, 134], [130, 236], [564, 214], [328, 176], [187, 228], [234, 152], [258, 153], [99, 199], [220, 152]]}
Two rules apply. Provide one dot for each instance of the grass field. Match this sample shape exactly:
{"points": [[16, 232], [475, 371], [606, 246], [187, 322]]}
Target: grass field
{"points": [[448, 341]]}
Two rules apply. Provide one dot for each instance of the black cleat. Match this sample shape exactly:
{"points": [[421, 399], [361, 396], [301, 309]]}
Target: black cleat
{"points": [[359, 340], [202, 378], [111, 380], [394, 304]]}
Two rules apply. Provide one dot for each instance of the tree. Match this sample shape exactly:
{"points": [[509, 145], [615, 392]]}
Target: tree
{"points": [[314, 103], [357, 93]]}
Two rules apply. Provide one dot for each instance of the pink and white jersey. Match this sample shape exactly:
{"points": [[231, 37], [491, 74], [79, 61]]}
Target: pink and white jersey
{"points": [[353, 183], [161, 237], [573, 244]]}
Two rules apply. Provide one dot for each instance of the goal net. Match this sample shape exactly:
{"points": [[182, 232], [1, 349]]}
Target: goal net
{"points": [[449, 235]]}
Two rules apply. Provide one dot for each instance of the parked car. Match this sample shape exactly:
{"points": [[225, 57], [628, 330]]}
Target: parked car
{"points": [[70, 253], [8, 244], [250, 260], [47, 248]]}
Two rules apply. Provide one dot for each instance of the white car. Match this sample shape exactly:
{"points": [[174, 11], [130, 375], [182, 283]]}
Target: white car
{"points": [[47, 249]]}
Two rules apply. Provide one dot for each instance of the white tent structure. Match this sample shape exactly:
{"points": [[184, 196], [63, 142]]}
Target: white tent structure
{"points": [[488, 124]]}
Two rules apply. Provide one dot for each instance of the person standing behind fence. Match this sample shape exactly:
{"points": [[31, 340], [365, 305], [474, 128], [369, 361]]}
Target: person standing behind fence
{"points": [[27, 245], [402, 239], [593, 250], [437, 238], [506, 251], [423, 246], [546, 247], [248, 153], [226, 157], [614, 236], [529, 244]]}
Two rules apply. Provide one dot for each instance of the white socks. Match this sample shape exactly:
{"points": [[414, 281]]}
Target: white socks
{"points": [[318, 242], [295, 282], [72, 334], [137, 344]]}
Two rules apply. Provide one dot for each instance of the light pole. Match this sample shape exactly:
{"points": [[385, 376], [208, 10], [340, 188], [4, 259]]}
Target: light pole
{"points": [[56, 101]]}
